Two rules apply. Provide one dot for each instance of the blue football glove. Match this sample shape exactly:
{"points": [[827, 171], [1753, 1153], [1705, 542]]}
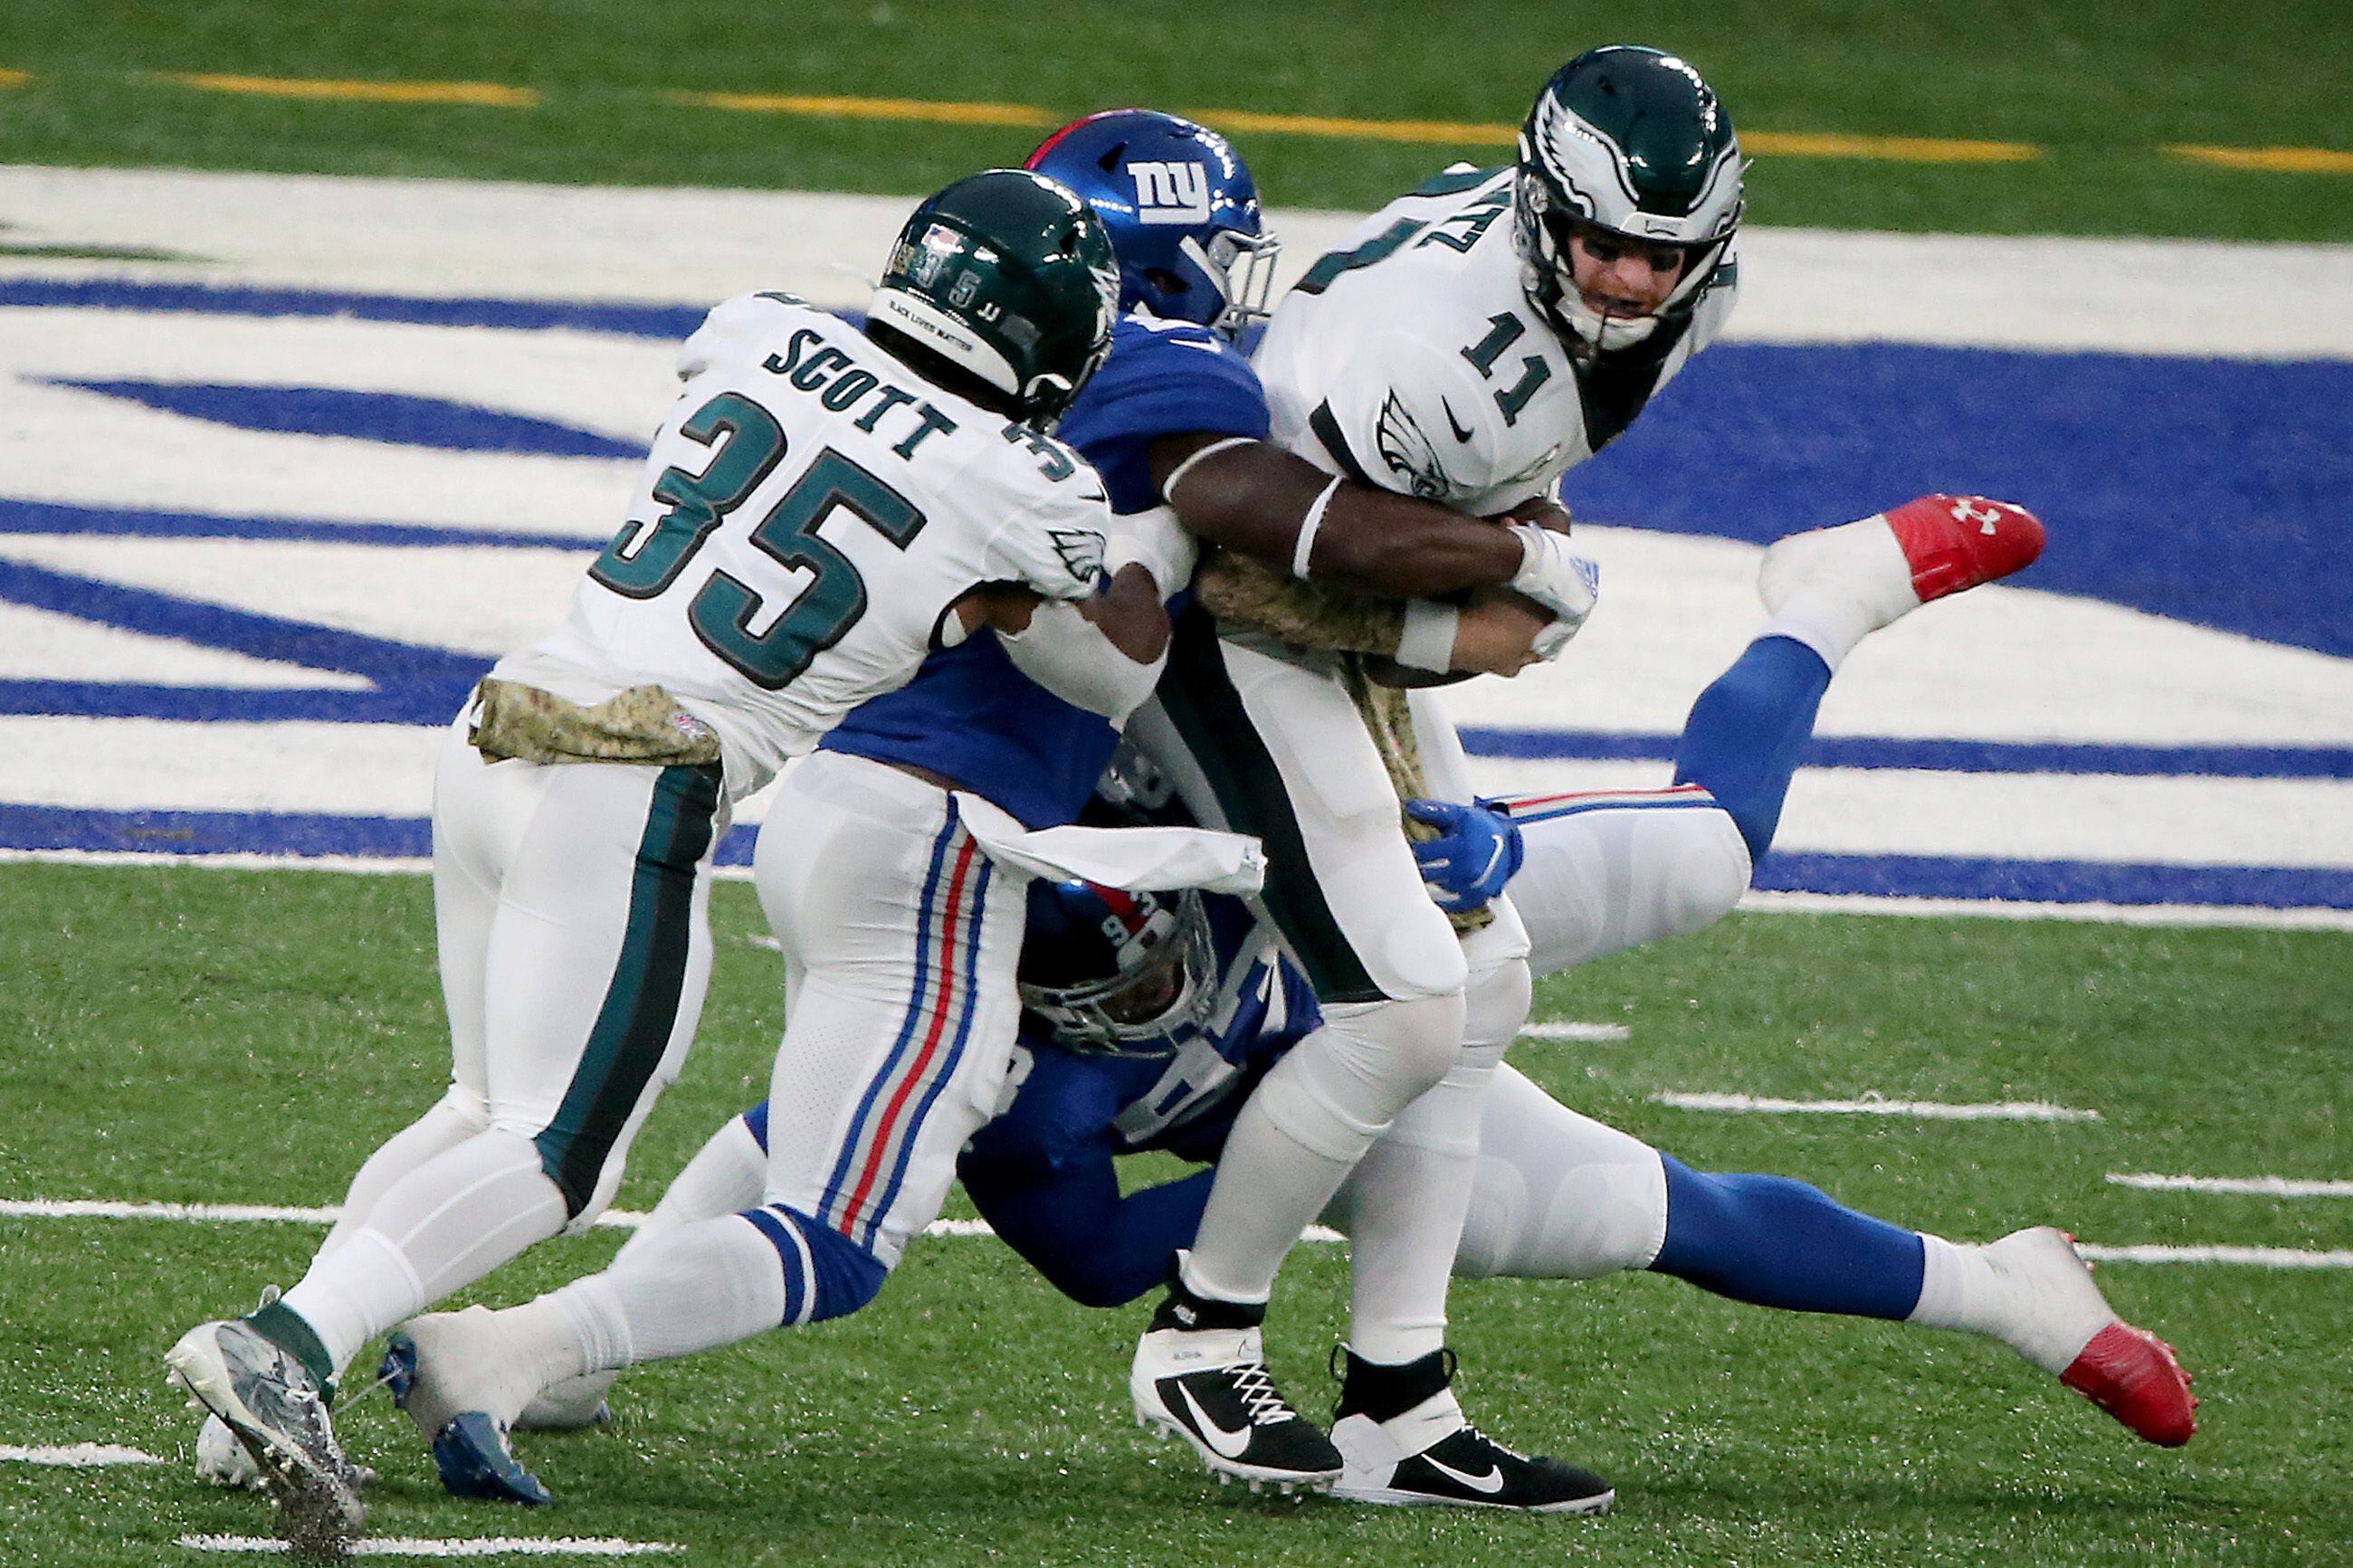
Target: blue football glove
{"points": [[1476, 852]]}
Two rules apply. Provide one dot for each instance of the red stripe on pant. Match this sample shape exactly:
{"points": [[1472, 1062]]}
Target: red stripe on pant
{"points": [[950, 983]]}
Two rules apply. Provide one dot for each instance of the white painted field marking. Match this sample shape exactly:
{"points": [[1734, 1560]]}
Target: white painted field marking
{"points": [[1757, 902], [2247, 1186], [1751, 902], [2257, 1257], [1927, 1110], [92, 1209], [476, 1546], [77, 1455], [1574, 1032]]}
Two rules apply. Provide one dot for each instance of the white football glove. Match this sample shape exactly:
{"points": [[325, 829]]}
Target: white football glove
{"points": [[1563, 582]]}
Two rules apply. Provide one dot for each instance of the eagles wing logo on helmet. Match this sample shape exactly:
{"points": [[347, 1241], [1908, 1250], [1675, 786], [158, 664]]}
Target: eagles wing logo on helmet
{"points": [[1410, 453]]}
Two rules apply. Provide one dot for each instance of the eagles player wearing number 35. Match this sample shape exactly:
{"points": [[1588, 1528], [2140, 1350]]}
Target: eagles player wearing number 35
{"points": [[822, 509]]}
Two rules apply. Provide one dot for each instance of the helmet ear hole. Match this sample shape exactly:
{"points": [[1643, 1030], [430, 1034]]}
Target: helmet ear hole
{"points": [[1167, 282]]}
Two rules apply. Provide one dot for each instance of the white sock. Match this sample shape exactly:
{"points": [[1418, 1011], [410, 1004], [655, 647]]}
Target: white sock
{"points": [[437, 1230], [1242, 1241], [701, 1286], [1833, 587], [1407, 1198], [2023, 1290], [1305, 1127], [727, 1176], [439, 1130]]}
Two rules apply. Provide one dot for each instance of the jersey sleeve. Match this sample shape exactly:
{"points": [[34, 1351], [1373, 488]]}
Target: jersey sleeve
{"points": [[738, 329], [1057, 529], [1161, 379], [1404, 416]]}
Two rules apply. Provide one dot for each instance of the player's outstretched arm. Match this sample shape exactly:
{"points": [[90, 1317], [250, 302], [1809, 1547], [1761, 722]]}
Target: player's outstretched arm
{"points": [[1254, 498]]}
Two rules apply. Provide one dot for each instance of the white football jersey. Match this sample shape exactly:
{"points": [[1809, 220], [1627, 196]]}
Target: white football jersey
{"points": [[810, 511], [1411, 357]]}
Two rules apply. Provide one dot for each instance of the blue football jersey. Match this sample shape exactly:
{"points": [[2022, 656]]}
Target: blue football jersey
{"points": [[968, 713], [1163, 378]]}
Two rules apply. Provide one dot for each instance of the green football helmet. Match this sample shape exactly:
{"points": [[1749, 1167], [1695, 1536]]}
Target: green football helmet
{"points": [[1633, 140], [1007, 277]]}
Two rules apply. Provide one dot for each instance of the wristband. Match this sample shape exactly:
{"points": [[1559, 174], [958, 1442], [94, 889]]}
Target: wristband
{"points": [[1428, 640]]}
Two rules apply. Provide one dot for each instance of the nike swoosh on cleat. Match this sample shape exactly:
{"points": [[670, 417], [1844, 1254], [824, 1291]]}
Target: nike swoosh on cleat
{"points": [[1491, 1482], [1231, 1445]]}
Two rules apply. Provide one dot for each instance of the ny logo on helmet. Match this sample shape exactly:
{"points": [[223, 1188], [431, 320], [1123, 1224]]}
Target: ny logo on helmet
{"points": [[1171, 192]]}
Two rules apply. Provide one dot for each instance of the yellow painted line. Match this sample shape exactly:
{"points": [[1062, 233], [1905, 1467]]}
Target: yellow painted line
{"points": [[871, 108], [1442, 131], [477, 93], [13, 79], [2275, 160], [1899, 148]]}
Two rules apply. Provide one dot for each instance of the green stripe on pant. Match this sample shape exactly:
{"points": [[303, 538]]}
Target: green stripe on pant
{"points": [[641, 1001]]}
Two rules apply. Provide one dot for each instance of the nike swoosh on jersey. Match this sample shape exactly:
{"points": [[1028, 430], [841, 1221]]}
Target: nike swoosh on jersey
{"points": [[1493, 1481], [1453, 424], [1230, 1443]]}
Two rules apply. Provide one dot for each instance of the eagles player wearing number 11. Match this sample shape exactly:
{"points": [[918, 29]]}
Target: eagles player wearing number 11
{"points": [[823, 508]]}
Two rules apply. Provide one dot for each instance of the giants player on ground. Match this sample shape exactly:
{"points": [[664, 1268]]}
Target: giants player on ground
{"points": [[1470, 343], [822, 509]]}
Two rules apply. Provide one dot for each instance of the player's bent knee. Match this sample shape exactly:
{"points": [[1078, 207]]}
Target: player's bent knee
{"points": [[826, 1275], [1406, 1045], [1709, 873], [1341, 1087], [1495, 1003], [466, 1110]]}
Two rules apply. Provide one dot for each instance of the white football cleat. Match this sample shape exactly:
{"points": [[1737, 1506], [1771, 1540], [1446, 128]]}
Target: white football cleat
{"points": [[273, 1406], [222, 1460]]}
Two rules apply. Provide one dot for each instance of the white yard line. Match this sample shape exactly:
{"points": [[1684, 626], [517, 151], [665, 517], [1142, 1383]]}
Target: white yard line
{"points": [[2253, 1257], [2244, 1187], [1754, 903], [77, 1455], [1772, 904], [1926, 1110], [626, 1219], [1593, 1032], [474, 1546]]}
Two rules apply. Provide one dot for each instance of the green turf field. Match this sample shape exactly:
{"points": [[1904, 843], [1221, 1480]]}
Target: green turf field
{"points": [[184, 1035], [2096, 89], [195, 1036]]}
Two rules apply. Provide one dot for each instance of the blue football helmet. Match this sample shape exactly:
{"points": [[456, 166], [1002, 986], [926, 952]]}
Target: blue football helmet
{"points": [[1118, 972], [1182, 210]]}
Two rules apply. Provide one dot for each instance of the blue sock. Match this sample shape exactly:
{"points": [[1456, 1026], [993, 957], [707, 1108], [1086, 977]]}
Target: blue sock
{"points": [[1748, 732], [826, 1275], [1778, 1243]]}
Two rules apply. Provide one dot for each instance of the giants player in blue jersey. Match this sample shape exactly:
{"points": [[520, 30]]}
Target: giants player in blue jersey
{"points": [[1150, 1019]]}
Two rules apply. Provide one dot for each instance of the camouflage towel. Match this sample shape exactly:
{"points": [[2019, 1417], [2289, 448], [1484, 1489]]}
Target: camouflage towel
{"points": [[1248, 597], [1390, 722], [644, 724]]}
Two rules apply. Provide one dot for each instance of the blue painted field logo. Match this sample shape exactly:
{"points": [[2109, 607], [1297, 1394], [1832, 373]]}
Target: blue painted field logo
{"points": [[1171, 192]]}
